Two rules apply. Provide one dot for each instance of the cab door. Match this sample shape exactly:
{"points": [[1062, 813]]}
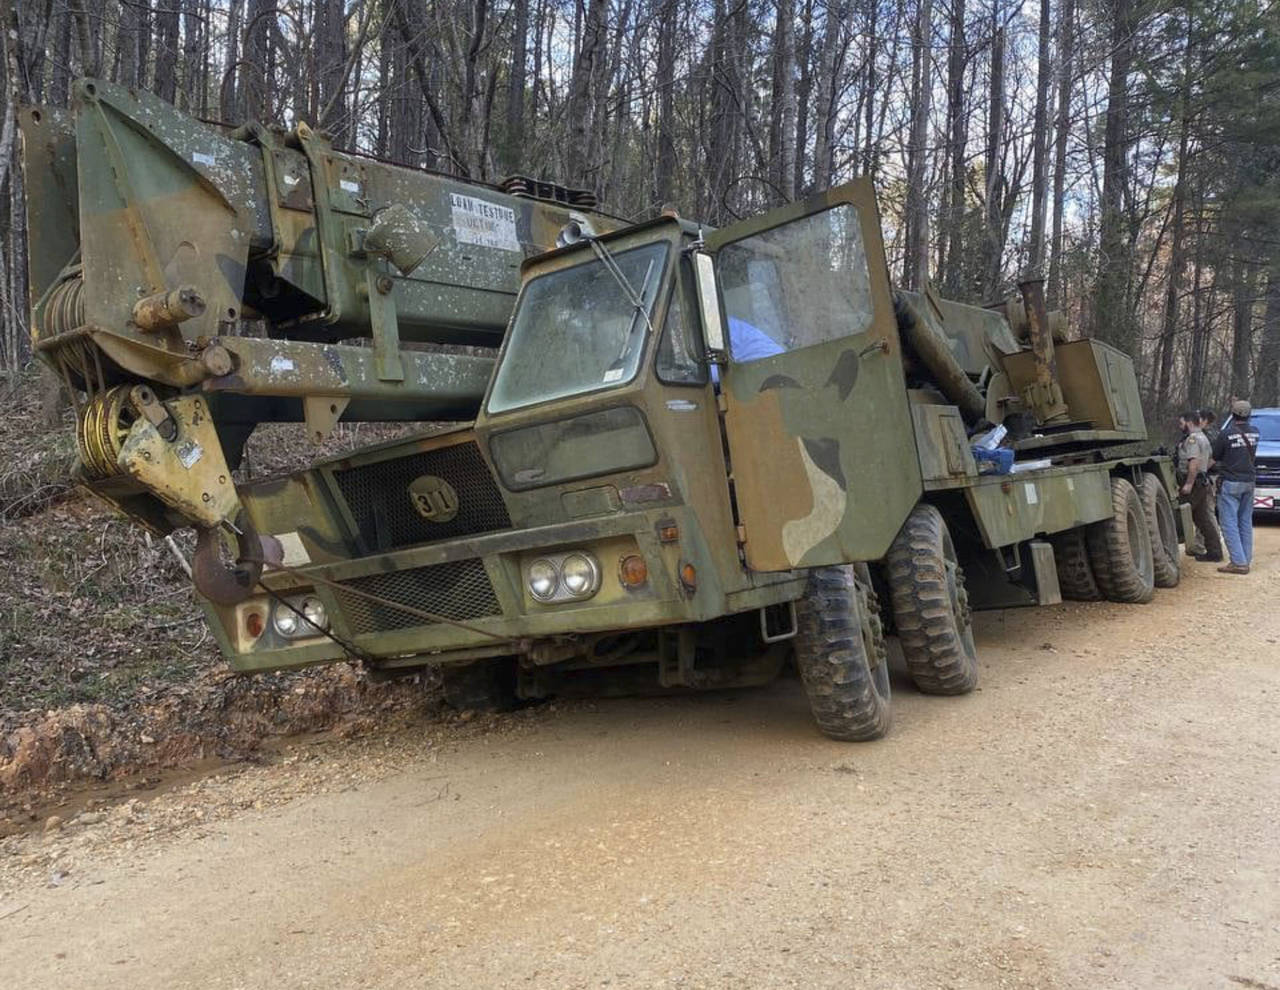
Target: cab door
{"points": [[822, 450]]}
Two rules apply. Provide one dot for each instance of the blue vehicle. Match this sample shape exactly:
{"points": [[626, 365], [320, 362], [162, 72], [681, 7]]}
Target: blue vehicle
{"points": [[1266, 496]]}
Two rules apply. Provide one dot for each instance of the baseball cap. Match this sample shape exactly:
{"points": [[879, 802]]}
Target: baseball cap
{"points": [[1241, 409]]}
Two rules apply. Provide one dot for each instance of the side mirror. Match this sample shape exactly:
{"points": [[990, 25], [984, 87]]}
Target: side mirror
{"points": [[704, 276]]}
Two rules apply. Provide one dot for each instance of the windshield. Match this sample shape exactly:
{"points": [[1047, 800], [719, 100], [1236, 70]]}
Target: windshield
{"points": [[577, 330], [1268, 425]]}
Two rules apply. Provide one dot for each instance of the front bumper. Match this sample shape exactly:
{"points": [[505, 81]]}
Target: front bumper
{"points": [[479, 581]]}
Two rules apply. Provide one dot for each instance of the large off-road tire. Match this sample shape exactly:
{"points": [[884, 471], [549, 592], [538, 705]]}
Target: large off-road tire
{"points": [[931, 606], [483, 686], [1120, 548], [1075, 573], [841, 654], [1163, 529]]}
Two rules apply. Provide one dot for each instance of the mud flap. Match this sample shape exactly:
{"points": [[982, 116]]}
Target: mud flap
{"points": [[1045, 572]]}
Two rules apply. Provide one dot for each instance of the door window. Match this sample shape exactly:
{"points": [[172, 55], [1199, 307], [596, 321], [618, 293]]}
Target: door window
{"points": [[796, 285], [679, 359]]}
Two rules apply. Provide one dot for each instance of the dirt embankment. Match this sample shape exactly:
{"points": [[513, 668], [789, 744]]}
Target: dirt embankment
{"points": [[220, 716], [107, 668], [106, 665]]}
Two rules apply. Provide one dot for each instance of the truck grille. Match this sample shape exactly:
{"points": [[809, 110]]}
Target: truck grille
{"points": [[1268, 473], [459, 589], [377, 496]]}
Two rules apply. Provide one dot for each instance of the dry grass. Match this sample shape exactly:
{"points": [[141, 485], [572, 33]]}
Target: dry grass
{"points": [[36, 460], [106, 664], [93, 609]]}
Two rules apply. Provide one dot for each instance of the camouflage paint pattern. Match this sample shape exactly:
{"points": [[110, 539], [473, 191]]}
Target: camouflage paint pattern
{"points": [[154, 235], [686, 492], [251, 216], [825, 467]]}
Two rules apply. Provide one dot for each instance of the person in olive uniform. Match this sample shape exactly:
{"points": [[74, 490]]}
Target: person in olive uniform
{"points": [[1209, 425], [1193, 481], [1235, 451]]}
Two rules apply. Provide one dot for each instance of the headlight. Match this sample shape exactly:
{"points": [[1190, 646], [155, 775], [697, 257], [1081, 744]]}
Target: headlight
{"points": [[286, 621], [544, 579], [313, 609], [563, 577], [580, 574], [312, 621]]}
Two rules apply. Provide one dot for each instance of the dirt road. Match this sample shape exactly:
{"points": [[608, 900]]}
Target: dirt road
{"points": [[1102, 813]]}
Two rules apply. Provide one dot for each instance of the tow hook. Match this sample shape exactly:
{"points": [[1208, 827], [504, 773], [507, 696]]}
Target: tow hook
{"points": [[220, 579]]}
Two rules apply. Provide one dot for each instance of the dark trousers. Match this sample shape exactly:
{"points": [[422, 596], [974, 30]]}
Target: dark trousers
{"points": [[1201, 499]]}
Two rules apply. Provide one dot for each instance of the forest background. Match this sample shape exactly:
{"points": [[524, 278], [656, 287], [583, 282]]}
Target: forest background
{"points": [[1127, 150]]}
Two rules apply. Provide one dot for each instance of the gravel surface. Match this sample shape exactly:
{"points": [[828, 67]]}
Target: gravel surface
{"points": [[1101, 813]]}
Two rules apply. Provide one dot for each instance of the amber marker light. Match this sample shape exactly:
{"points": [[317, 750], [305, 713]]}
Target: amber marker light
{"points": [[253, 624], [633, 571], [688, 576]]}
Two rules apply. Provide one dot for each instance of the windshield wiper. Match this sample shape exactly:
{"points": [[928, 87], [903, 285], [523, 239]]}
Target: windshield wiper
{"points": [[618, 366], [611, 266]]}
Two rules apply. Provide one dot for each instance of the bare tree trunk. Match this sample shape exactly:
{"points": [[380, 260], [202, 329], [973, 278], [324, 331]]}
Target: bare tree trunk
{"points": [[830, 63], [473, 118], [516, 82], [227, 106], [915, 263], [252, 88], [1111, 303], [60, 67], [803, 95], [1199, 323], [870, 160], [724, 80], [1177, 242], [600, 83], [1040, 135], [994, 228], [958, 131], [581, 107], [192, 63], [664, 174], [10, 304], [782, 131], [405, 126], [128, 65], [331, 58], [1266, 390], [1242, 288], [146, 27], [13, 262], [1066, 70], [540, 20], [85, 38], [166, 82], [413, 33]]}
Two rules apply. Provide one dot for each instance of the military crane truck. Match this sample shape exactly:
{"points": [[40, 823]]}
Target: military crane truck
{"points": [[699, 455]]}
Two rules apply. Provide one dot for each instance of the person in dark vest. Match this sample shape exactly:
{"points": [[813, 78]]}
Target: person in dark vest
{"points": [[1234, 453]]}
